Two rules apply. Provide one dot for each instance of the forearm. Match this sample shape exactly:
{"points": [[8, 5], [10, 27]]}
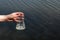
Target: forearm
{"points": [[3, 18]]}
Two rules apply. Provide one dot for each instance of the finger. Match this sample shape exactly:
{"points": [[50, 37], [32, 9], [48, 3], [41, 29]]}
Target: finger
{"points": [[21, 14], [10, 20], [21, 19], [18, 19]]}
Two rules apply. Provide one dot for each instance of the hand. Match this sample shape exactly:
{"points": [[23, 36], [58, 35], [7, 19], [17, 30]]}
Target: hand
{"points": [[16, 16]]}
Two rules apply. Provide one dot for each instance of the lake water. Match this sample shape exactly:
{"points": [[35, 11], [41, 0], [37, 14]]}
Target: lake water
{"points": [[42, 18]]}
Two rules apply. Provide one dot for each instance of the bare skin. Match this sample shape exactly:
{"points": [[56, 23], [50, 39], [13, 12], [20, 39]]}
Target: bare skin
{"points": [[15, 16]]}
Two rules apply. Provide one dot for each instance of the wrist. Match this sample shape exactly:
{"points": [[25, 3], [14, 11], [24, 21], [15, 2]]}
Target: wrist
{"points": [[9, 18]]}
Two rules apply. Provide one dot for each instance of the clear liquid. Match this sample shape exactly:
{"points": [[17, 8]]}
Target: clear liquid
{"points": [[20, 26]]}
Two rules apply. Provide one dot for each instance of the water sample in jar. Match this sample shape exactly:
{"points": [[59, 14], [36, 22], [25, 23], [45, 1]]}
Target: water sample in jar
{"points": [[20, 25]]}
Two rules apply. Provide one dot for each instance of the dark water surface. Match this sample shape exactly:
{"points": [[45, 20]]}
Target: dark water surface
{"points": [[42, 19]]}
